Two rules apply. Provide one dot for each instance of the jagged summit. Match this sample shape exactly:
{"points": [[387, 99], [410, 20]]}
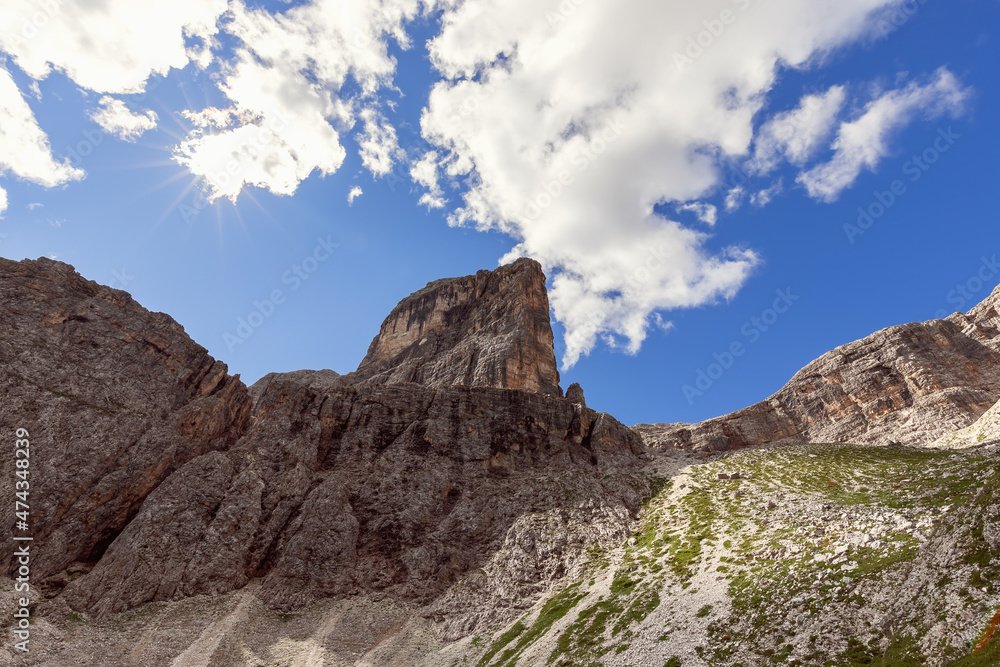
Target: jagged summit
{"points": [[490, 329]]}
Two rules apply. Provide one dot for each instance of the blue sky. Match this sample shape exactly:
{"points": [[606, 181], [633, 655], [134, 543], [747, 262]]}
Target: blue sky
{"points": [[109, 159]]}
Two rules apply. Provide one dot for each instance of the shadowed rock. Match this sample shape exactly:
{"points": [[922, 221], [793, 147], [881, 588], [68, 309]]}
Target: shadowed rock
{"points": [[338, 489], [156, 476], [115, 399]]}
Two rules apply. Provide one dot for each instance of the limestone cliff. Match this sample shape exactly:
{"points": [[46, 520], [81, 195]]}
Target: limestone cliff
{"points": [[490, 329], [115, 399], [337, 490]]}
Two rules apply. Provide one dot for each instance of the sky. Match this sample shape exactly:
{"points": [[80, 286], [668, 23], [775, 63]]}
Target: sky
{"points": [[719, 191]]}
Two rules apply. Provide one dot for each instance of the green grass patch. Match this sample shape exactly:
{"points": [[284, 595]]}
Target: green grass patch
{"points": [[553, 610]]}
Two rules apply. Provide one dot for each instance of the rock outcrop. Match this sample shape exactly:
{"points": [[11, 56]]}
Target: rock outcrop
{"points": [[115, 399], [575, 394], [908, 384], [491, 329], [985, 431]]}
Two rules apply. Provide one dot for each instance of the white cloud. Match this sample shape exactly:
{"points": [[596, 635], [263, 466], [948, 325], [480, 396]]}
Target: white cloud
{"points": [[110, 46], [762, 198], [735, 197], [796, 135], [662, 324], [863, 142], [571, 122], [275, 150], [707, 213], [565, 125], [33, 205], [377, 143], [116, 118], [284, 87], [3, 201], [425, 172], [354, 194], [24, 147]]}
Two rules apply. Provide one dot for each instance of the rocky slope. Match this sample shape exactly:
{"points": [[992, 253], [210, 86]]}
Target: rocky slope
{"points": [[824, 555], [909, 384], [487, 330], [985, 431]]}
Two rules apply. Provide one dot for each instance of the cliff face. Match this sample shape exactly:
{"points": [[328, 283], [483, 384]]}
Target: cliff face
{"points": [[446, 516], [115, 399], [156, 476], [909, 384], [339, 490], [491, 329]]}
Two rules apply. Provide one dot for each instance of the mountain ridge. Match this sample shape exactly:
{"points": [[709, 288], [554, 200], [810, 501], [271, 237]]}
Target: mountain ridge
{"points": [[445, 503], [908, 384]]}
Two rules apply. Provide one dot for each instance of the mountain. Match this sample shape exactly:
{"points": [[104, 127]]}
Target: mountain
{"points": [[116, 399], [444, 504], [908, 384], [159, 477]]}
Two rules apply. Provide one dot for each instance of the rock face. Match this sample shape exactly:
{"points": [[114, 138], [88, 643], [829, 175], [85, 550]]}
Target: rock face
{"points": [[156, 476], [909, 384], [337, 489], [575, 394], [487, 330], [115, 399], [985, 431]]}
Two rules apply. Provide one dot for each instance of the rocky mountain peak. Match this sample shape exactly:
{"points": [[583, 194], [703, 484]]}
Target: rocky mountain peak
{"points": [[490, 329]]}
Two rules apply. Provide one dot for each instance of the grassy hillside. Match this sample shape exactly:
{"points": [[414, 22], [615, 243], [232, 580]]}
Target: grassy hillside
{"points": [[809, 555]]}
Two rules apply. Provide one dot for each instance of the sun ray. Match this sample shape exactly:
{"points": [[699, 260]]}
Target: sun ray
{"points": [[260, 207]]}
